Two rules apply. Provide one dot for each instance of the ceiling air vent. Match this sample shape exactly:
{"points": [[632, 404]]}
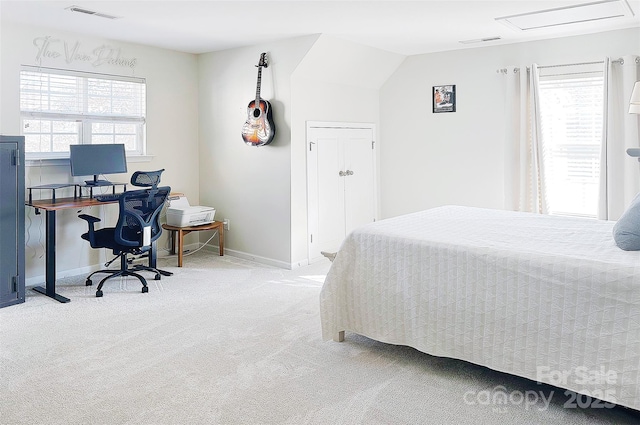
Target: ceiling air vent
{"points": [[586, 12], [91, 12], [481, 40]]}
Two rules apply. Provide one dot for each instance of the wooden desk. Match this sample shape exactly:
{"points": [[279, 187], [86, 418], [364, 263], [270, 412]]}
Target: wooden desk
{"points": [[50, 206], [182, 231], [65, 203]]}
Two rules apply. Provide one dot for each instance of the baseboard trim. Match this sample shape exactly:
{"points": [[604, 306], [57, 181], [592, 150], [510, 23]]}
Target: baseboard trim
{"points": [[250, 257], [38, 280]]}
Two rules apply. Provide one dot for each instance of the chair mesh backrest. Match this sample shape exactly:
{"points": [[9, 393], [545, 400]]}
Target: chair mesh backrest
{"points": [[146, 178], [138, 209]]}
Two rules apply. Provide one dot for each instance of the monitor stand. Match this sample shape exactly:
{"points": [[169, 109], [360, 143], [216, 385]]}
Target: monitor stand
{"points": [[96, 182]]}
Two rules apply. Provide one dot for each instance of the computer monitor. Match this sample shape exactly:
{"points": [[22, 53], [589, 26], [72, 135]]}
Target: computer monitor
{"points": [[87, 160]]}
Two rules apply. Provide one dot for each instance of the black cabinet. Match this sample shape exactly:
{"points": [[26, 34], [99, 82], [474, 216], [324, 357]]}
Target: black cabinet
{"points": [[12, 212]]}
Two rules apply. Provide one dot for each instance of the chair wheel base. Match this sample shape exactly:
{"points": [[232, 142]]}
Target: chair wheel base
{"points": [[145, 289], [99, 294], [88, 282]]}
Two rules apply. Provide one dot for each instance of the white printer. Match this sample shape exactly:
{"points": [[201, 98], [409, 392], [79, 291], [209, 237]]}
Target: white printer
{"points": [[181, 214]]}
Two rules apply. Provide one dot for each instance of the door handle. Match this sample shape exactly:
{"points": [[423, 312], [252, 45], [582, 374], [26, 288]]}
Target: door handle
{"points": [[349, 173], [342, 174]]}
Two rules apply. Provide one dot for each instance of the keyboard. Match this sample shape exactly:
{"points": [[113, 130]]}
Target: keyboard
{"points": [[108, 197]]}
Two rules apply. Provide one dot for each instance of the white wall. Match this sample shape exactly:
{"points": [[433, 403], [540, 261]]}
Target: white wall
{"points": [[431, 159], [197, 105], [263, 190], [248, 185], [337, 81], [172, 124]]}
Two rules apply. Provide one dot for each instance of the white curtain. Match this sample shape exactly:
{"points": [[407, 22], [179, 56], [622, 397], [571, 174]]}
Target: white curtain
{"points": [[524, 172], [619, 173]]}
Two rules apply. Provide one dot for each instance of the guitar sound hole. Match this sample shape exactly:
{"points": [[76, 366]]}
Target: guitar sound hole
{"points": [[256, 113]]}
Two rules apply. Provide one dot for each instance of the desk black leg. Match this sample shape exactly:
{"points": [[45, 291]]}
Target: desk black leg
{"points": [[153, 256], [50, 266]]}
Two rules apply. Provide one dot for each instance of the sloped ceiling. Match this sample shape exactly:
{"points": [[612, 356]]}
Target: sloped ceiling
{"points": [[337, 61], [402, 27]]}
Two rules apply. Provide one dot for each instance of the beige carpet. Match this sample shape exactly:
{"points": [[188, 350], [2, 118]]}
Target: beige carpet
{"points": [[226, 341]]}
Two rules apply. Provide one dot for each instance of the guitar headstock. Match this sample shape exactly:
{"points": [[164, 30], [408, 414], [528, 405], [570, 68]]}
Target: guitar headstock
{"points": [[263, 60]]}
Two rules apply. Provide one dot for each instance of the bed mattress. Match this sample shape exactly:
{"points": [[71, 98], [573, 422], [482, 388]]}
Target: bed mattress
{"points": [[543, 297]]}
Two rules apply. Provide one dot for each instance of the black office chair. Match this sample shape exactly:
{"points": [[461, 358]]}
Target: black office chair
{"points": [[136, 230], [148, 179]]}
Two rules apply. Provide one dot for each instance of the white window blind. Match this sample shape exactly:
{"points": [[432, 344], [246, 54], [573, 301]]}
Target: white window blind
{"points": [[61, 107], [571, 114]]}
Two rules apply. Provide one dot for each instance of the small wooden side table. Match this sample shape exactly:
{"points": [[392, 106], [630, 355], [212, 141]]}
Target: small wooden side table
{"points": [[182, 231]]}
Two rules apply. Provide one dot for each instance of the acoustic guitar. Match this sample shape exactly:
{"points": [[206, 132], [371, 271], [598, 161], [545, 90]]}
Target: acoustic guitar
{"points": [[259, 129]]}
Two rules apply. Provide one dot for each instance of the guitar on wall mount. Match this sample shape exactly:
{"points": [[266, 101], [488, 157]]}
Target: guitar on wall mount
{"points": [[259, 129]]}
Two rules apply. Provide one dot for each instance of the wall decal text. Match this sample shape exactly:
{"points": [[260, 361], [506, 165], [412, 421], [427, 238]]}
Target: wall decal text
{"points": [[57, 49]]}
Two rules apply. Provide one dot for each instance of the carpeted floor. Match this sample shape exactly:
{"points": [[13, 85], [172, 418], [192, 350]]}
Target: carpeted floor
{"points": [[227, 341]]}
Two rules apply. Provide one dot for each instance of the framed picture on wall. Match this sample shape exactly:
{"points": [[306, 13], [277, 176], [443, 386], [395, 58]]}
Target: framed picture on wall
{"points": [[444, 98]]}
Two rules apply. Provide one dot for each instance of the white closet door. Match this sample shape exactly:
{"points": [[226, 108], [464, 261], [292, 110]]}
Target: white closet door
{"points": [[340, 184], [359, 183], [331, 219]]}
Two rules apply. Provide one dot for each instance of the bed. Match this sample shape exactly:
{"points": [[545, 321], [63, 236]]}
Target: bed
{"points": [[548, 298]]}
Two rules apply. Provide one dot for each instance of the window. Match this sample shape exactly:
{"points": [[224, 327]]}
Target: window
{"points": [[571, 114], [59, 108]]}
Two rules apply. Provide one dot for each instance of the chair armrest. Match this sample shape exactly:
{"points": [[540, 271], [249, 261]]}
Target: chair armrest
{"points": [[89, 218]]}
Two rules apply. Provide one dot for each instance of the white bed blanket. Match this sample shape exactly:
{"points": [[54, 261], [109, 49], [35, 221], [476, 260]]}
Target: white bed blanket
{"points": [[547, 298]]}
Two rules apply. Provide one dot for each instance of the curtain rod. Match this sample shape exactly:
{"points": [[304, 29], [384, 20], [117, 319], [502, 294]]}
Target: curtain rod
{"points": [[577, 64], [620, 61]]}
